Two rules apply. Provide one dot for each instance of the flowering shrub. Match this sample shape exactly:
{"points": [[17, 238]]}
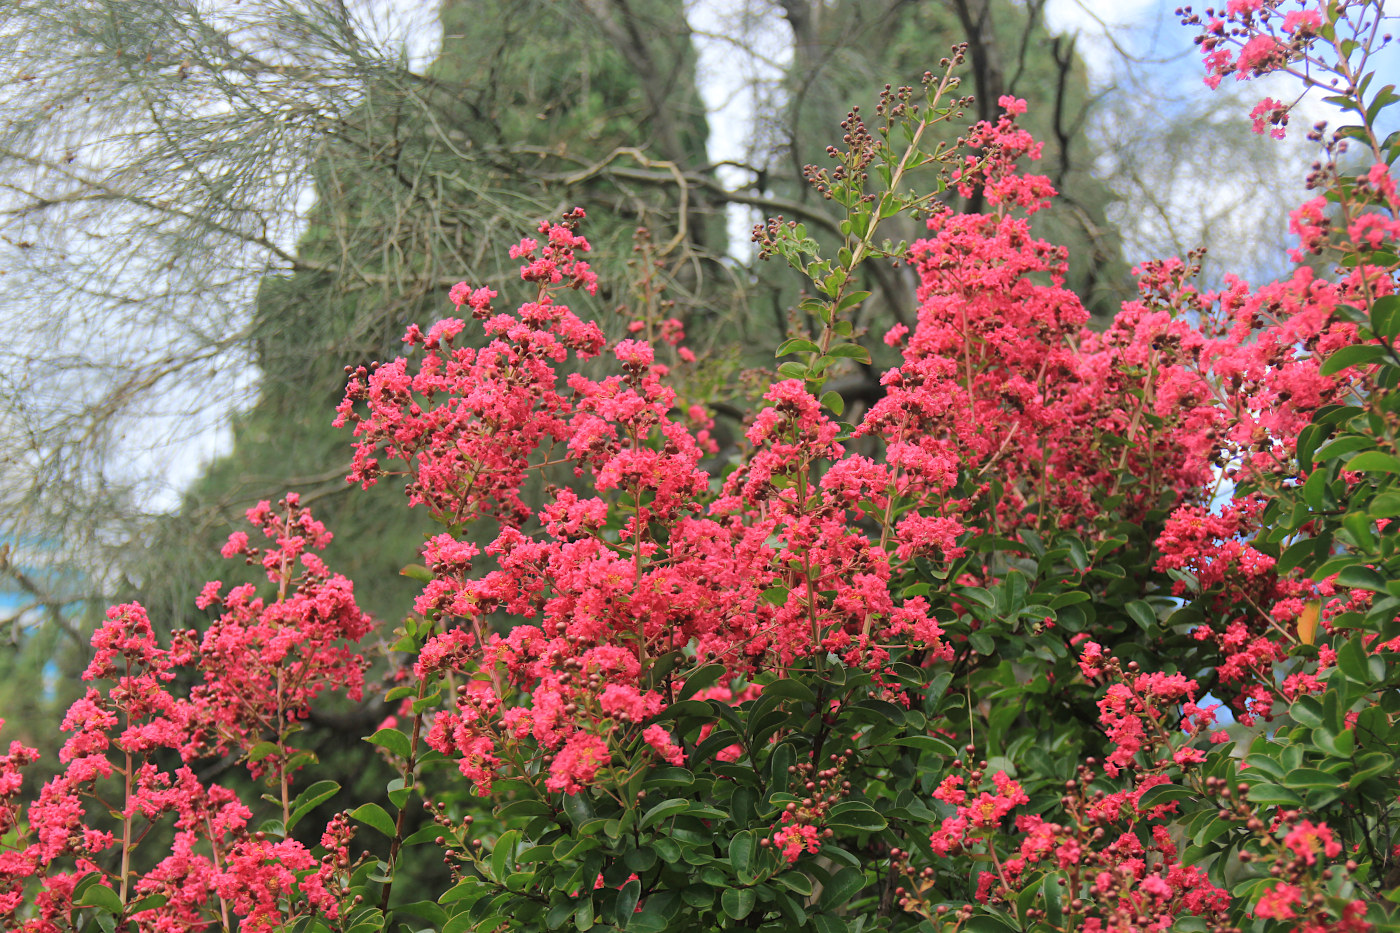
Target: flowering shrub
{"points": [[951, 665], [132, 748]]}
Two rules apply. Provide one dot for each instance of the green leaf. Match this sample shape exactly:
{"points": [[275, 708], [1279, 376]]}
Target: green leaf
{"points": [[566, 847], [792, 910], [1385, 317], [1370, 766], [1354, 355], [856, 815], [626, 905], [1311, 777], [1343, 445], [1263, 764], [982, 642], [662, 810], [84, 882], [775, 596], [1384, 98], [1314, 490], [524, 808], [1030, 893], [670, 777], [977, 595], [843, 886], [1078, 556], [583, 917], [850, 301], [149, 902], [793, 370], [1295, 554], [738, 902], [656, 913], [537, 854], [417, 572], [425, 910], [392, 739], [790, 689], [469, 891], [1069, 598], [1358, 527], [261, 750], [1319, 797], [702, 677], [797, 345], [1361, 578], [741, 849], [375, 817], [1308, 439], [1373, 461], [458, 924], [1306, 711], [667, 849], [1353, 661], [827, 923], [833, 402], [1160, 794], [850, 351], [1141, 613], [310, 799], [1335, 744], [558, 914], [796, 882], [927, 743], [1334, 566], [1273, 794], [595, 826], [101, 897], [640, 860], [1385, 505], [718, 740], [501, 854]]}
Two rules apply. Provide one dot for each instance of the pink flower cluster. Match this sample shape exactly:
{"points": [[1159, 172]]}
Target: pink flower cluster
{"points": [[1292, 898], [260, 667], [994, 172], [792, 839], [1127, 872], [976, 817], [264, 663], [468, 420], [1249, 38], [637, 560]]}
